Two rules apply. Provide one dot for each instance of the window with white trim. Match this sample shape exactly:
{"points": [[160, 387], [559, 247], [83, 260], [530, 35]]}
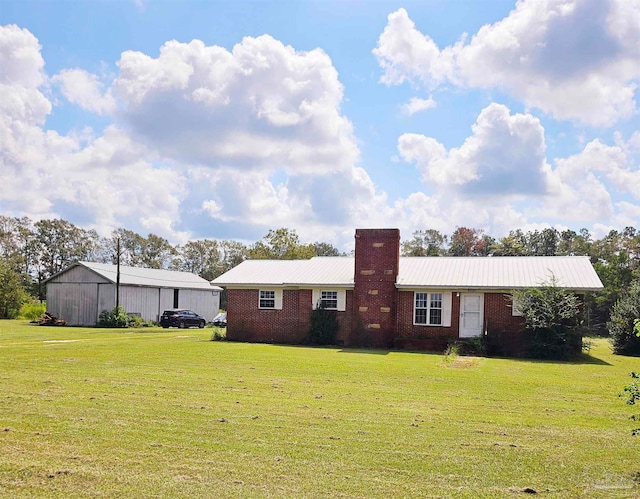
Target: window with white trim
{"points": [[332, 299], [329, 300], [267, 299], [427, 309]]}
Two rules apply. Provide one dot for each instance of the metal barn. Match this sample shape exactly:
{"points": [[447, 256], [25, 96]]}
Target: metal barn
{"points": [[82, 291]]}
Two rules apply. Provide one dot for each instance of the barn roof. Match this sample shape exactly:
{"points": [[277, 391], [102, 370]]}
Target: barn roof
{"points": [[571, 272], [137, 276]]}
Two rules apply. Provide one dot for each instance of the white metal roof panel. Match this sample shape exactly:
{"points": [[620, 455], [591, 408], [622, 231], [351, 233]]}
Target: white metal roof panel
{"points": [[318, 271], [136, 276], [572, 272]]}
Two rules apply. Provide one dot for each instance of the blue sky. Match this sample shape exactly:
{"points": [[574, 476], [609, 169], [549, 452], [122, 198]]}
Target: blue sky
{"points": [[225, 119]]}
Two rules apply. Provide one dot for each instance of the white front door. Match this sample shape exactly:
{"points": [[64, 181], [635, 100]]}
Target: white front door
{"points": [[471, 314]]}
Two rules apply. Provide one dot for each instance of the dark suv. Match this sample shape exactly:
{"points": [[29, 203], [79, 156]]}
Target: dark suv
{"points": [[181, 317]]}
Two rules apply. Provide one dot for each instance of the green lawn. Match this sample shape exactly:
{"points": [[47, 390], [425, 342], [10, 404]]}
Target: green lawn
{"points": [[167, 413]]}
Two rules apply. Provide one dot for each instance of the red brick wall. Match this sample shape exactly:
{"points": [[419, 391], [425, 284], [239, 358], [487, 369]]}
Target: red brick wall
{"points": [[498, 314], [499, 321], [504, 330], [377, 256], [346, 321], [406, 328], [290, 325]]}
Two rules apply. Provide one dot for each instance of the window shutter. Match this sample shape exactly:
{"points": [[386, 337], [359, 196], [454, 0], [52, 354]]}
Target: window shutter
{"points": [[278, 299], [315, 298], [342, 300], [446, 309]]}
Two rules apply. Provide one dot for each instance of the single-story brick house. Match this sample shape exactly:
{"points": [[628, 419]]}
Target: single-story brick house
{"points": [[391, 301]]}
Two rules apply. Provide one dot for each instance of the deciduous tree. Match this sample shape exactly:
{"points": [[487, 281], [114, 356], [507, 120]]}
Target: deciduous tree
{"points": [[57, 244], [233, 253], [325, 249], [199, 257], [470, 242], [429, 242], [281, 244], [515, 244], [543, 243], [12, 292], [153, 252]]}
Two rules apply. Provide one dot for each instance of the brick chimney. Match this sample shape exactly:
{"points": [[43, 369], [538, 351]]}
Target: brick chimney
{"points": [[377, 258]]}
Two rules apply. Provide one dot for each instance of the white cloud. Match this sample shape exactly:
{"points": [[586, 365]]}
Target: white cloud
{"points": [[582, 184], [201, 136], [574, 59], [405, 54], [85, 90], [20, 58], [261, 105], [499, 179], [416, 105], [100, 181], [311, 202], [22, 74], [628, 213], [199, 132], [505, 155]]}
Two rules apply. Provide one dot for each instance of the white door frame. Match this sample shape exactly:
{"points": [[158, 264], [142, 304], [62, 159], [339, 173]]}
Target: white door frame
{"points": [[473, 310]]}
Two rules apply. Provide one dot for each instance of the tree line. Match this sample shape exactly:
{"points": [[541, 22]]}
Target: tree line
{"points": [[31, 252]]}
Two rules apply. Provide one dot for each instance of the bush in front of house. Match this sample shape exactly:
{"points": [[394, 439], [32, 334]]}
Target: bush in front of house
{"points": [[472, 346], [552, 322], [115, 318], [621, 325], [323, 328]]}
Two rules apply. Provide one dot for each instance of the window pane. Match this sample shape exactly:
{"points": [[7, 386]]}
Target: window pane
{"points": [[436, 300], [421, 300], [267, 299], [435, 316], [421, 315], [329, 299]]}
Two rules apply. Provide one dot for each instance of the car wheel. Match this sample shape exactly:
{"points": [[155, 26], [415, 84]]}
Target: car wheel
{"points": [[201, 324], [181, 325]]}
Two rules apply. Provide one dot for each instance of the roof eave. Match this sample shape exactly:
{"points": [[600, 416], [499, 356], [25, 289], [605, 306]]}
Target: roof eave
{"points": [[487, 288], [254, 285]]}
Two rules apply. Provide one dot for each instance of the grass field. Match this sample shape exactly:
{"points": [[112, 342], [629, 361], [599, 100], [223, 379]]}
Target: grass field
{"points": [[168, 413]]}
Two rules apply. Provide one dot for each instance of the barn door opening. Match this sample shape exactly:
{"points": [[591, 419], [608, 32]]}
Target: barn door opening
{"points": [[176, 292]]}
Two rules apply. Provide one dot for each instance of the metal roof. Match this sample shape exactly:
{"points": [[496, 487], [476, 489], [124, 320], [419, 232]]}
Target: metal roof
{"points": [[517, 272], [572, 272], [157, 278], [320, 270]]}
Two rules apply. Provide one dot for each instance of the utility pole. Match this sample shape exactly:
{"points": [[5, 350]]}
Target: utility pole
{"points": [[117, 273]]}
